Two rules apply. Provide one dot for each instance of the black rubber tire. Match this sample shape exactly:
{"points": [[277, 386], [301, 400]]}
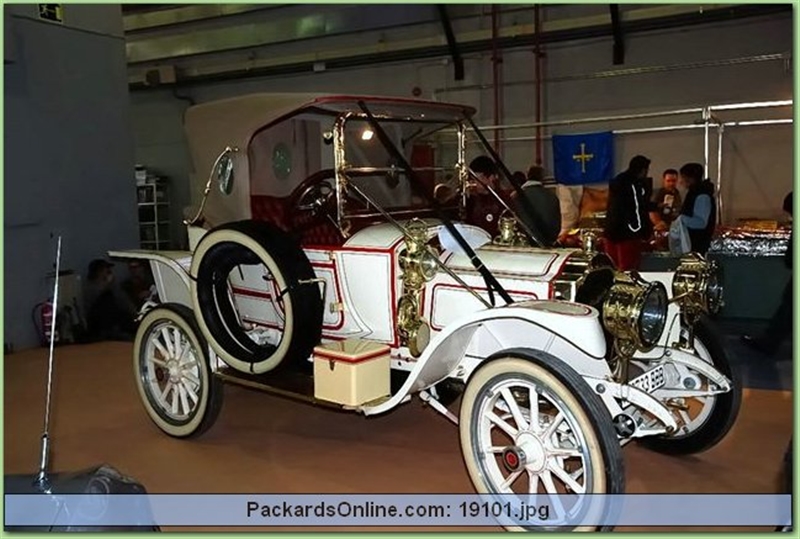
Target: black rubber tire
{"points": [[595, 418], [726, 407], [211, 395], [250, 242]]}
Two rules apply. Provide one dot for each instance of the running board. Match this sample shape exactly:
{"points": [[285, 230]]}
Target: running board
{"points": [[292, 385]]}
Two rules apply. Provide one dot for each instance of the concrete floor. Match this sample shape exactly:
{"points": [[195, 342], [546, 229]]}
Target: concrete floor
{"points": [[264, 444]]}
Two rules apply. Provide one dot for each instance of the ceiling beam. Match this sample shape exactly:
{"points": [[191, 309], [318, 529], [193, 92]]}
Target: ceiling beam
{"points": [[520, 36], [452, 44], [619, 36]]}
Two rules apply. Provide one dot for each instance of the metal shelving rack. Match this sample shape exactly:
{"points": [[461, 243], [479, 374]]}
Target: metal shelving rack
{"points": [[153, 202]]}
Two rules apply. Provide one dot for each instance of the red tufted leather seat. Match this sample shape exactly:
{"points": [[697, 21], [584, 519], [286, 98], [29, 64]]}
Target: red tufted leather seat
{"points": [[269, 209], [274, 210]]}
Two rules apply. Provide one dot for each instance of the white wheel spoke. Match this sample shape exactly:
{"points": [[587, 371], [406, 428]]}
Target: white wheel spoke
{"points": [[513, 407], [533, 485], [167, 389], [503, 425], [156, 361], [191, 393], [565, 452], [184, 400], [191, 378], [573, 485], [510, 480], [175, 402], [494, 449], [168, 342], [551, 428], [550, 488], [160, 347], [176, 341], [533, 397], [701, 400], [686, 419], [185, 350]]}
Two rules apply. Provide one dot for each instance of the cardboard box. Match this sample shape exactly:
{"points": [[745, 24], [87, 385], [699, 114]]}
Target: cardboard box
{"points": [[352, 372]]}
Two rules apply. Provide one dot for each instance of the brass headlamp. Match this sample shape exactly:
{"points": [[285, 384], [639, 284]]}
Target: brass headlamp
{"points": [[635, 312], [697, 285]]}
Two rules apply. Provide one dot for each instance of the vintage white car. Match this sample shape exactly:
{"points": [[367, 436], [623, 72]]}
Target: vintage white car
{"points": [[322, 268]]}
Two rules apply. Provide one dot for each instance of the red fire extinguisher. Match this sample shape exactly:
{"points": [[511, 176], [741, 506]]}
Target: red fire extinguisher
{"points": [[46, 313]]}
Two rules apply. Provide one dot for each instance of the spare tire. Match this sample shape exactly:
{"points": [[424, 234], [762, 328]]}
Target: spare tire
{"points": [[248, 243]]}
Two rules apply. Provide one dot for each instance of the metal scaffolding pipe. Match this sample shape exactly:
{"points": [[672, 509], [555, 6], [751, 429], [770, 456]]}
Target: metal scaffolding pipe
{"points": [[720, 131], [537, 59], [754, 105], [616, 132], [638, 116], [496, 90], [759, 122], [780, 121], [706, 126], [643, 115]]}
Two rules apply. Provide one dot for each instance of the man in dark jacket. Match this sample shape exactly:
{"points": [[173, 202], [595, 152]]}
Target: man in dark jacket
{"points": [[628, 223], [699, 209], [780, 325], [483, 209], [544, 219]]}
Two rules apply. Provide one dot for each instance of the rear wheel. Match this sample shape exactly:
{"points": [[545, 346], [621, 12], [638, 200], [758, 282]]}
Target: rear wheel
{"points": [[531, 427], [274, 311], [173, 375]]}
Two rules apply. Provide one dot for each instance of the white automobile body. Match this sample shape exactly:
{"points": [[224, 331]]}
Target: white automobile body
{"points": [[364, 280]]}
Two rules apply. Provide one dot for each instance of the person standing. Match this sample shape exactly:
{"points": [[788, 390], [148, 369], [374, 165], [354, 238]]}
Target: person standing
{"points": [[483, 209], [780, 325], [699, 211], [110, 315], [628, 223], [544, 219], [667, 201]]}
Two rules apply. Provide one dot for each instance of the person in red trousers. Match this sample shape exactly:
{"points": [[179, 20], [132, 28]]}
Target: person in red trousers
{"points": [[628, 223]]}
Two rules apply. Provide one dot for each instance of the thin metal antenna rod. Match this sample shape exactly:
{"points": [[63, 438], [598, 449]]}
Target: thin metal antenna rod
{"points": [[42, 482]]}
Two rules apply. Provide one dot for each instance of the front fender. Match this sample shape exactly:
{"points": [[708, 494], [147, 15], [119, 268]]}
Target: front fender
{"points": [[567, 331]]}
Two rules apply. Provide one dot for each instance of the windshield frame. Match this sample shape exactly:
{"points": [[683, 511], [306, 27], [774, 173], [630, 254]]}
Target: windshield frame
{"points": [[342, 168]]}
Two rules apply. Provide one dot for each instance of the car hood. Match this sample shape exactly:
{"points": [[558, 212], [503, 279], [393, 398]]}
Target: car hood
{"points": [[513, 262]]}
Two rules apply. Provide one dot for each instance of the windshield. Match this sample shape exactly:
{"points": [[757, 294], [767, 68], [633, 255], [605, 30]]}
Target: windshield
{"points": [[426, 145]]}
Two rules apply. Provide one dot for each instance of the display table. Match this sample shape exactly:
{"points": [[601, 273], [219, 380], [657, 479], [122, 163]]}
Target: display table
{"points": [[753, 266]]}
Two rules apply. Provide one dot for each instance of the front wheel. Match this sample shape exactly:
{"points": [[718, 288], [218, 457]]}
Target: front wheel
{"points": [[531, 427], [173, 375], [704, 421]]}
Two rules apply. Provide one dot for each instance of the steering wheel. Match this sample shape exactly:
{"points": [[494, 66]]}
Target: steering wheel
{"points": [[314, 197]]}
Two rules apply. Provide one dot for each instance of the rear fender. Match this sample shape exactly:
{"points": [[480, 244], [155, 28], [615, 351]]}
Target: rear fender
{"points": [[170, 272], [567, 331]]}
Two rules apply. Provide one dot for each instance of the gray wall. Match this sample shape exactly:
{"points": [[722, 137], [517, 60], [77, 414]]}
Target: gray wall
{"points": [[68, 152], [757, 164]]}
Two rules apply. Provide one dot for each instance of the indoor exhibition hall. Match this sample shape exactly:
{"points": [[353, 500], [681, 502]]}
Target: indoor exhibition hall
{"points": [[398, 267]]}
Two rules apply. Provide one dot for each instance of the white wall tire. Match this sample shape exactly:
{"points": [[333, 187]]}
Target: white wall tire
{"points": [[705, 421], [245, 242], [577, 451], [173, 375]]}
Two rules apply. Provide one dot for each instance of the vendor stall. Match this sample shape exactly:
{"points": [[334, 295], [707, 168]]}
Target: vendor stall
{"points": [[750, 250], [751, 256]]}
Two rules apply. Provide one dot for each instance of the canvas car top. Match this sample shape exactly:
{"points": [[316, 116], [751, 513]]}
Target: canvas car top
{"points": [[213, 126]]}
